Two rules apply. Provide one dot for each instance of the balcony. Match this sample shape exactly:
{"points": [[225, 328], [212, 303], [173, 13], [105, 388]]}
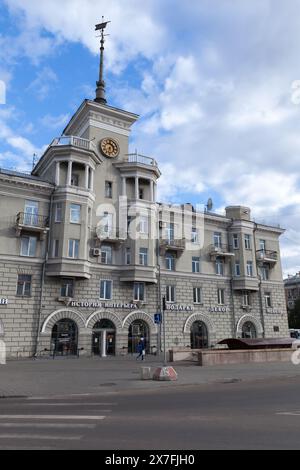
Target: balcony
{"points": [[141, 159], [135, 273], [220, 250], [266, 256], [110, 235], [173, 245], [74, 141], [32, 223], [245, 284]]}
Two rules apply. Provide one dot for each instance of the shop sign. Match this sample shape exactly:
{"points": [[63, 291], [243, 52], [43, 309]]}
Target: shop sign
{"points": [[273, 311], [3, 301], [186, 308], [89, 304], [218, 309]]}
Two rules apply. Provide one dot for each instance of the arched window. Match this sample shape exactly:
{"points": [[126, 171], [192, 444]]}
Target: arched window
{"points": [[64, 339], [249, 330], [199, 335]]}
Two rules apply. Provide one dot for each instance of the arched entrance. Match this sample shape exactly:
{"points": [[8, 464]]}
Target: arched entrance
{"points": [[199, 335], [138, 329], [249, 330], [64, 337], [104, 338]]}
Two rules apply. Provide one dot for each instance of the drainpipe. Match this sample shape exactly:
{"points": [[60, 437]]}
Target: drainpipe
{"points": [[262, 319], [43, 276], [231, 284]]}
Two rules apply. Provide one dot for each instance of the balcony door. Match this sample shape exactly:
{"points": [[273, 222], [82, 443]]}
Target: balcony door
{"points": [[31, 213]]}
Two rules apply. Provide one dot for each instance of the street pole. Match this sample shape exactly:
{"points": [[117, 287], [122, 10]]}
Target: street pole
{"points": [[164, 327]]}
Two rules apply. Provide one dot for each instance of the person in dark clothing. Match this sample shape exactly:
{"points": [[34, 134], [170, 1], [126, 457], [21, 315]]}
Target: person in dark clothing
{"points": [[141, 350]]}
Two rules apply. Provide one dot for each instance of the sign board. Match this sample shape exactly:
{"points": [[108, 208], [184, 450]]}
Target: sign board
{"points": [[157, 318], [3, 301]]}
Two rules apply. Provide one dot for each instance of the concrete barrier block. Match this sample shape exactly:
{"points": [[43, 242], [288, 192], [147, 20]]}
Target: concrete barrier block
{"points": [[165, 374], [146, 373]]}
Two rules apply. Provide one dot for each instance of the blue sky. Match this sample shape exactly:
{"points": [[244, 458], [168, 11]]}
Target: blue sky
{"points": [[214, 81]]}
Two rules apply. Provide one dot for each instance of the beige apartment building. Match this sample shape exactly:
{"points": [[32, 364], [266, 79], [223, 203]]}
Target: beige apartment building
{"points": [[87, 253]]}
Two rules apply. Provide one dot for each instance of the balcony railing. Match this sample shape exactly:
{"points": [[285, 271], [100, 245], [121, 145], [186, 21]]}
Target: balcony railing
{"points": [[74, 141], [113, 235], [32, 223], [137, 158], [172, 244], [220, 250], [267, 256]]}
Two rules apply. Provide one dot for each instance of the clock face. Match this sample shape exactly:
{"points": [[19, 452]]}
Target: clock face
{"points": [[109, 147]]}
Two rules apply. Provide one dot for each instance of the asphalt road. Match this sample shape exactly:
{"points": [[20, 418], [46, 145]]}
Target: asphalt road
{"points": [[252, 415]]}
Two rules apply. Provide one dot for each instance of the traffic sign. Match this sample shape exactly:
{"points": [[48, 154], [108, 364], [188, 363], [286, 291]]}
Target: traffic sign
{"points": [[157, 318]]}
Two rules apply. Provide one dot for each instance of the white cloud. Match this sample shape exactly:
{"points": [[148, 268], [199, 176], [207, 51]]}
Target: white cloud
{"points": [[43, 83], [55, 122]]}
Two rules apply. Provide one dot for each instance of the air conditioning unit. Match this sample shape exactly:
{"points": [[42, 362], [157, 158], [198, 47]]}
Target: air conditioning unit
{"points": [[96, 252]]}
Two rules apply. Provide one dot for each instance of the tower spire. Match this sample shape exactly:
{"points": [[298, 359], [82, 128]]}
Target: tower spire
{"points": [[100, 90]]}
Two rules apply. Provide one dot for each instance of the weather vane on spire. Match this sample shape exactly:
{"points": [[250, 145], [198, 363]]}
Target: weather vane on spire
{"points": [[100, 91]]}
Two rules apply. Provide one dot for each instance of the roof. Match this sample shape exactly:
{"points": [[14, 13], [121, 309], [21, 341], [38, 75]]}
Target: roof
{"points": [[20, 174]]}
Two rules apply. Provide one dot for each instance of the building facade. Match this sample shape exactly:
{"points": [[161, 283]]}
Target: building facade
{"points": [[292, 290], [87, 253]]}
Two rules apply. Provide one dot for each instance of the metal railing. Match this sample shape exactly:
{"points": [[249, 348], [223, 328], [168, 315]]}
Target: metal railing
{"points": [[110, 233], [267, 254], [32, 220], [74, 141], [173, 244], [137, 158], [219, 249]]}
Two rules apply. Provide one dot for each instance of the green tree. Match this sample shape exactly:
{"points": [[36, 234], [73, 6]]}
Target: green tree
{"points": [[294, 315]]}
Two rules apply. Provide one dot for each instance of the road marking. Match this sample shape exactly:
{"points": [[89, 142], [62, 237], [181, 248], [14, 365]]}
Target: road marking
{"points": [[41, 437], [75, 417], [289, 413], [48, 425], [63, 404]]}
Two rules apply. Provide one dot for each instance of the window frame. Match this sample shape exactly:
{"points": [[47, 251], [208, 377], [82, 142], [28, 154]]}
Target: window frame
{"points": [[170, 293], [23, 284], [221, 296], [139, 297], [76, 244], [30, 238], [195, 264], [73, 211], [105, 283], [197, 295], [65, 284]]}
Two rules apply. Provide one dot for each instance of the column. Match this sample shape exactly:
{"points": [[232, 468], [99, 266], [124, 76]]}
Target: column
{"points": [[57, 173], [155, 192], [103, 343], [92, 180], [69, 176], [87, 171], [137, 192], [123, 186], [151, 191]]}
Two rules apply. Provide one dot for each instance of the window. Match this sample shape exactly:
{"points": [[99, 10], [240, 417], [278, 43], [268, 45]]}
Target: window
{"points": [[143, 257], [170, 230], [262, 245], [245, 299], [219, 266], [128, 256], [24, 285], [31, 213], [237, 269], [143, 224], [28, 246], [55, 252], [106, 254], [141, 193], [268, 300], [105, 290], [73, 251], [235, 239], [75, 179], [218, 239], [139, 291], [221, 296], [264, 272], [170, 262], [194, 236], [108, 189], [197, 295], [247, 242], [58, 212], [67, 288], [170, 293], [195, 264], [75, 211], [107, 223], [249, 269]]}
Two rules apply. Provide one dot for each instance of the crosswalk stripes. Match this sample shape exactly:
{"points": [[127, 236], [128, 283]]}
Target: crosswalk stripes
{"points": [[62, 426]]}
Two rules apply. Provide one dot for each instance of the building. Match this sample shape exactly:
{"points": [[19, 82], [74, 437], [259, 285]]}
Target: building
{"points": [[87, 253], [292, 290]]}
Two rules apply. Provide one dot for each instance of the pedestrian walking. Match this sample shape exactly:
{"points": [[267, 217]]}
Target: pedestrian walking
{"points": [[140, 349]]}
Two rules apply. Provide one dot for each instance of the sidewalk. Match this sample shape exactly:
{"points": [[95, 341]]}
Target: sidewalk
{"points": [[67, 376]]}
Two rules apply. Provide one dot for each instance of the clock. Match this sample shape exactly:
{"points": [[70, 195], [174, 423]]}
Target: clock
{"points": [[109, 147]]}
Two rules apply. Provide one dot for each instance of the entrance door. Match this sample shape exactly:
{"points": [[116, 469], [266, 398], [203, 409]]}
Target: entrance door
{"points": [[64, 338], [104, 338], [199, 335], [137, 330], [249, 330]]}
